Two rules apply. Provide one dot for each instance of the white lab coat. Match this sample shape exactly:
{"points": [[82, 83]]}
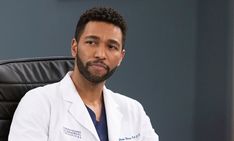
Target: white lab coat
{"points": [[56, 112]]}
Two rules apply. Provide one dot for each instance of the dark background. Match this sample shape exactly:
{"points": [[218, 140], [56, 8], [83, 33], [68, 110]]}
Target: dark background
{"points": [[178, 62]]}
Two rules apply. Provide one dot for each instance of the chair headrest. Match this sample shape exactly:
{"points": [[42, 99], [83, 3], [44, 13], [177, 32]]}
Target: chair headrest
{"points": [[19, 76]]}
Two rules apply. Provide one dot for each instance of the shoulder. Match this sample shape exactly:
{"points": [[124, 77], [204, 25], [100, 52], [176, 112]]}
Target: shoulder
{"points": [[42, 92], [39, 98]]}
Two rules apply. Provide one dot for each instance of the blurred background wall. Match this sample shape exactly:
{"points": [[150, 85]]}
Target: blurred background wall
{"points": [[177, 64], [214, 62]]}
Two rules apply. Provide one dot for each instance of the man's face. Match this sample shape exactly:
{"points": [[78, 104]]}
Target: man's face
{"points": [[99, 51]]}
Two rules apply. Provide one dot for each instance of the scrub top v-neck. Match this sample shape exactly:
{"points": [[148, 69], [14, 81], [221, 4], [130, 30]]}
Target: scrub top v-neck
{"points": [[101, 126]]}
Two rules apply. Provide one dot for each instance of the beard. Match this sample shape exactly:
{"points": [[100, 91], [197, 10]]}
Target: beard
{"points": [[94, 78]]}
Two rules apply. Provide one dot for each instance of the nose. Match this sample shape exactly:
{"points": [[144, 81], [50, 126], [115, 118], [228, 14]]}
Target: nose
{"points": [[100, 52]]}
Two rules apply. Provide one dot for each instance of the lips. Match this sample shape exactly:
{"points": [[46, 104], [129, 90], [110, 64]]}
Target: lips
{"points": [[99, 65]]}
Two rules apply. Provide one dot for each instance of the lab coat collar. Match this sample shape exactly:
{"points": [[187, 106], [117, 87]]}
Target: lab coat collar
{"points": [[77, 108], [114, 116], [81, 115]]}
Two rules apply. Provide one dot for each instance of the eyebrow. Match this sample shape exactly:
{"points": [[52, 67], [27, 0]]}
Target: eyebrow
{"points": [[92, 37], [112, 41]]}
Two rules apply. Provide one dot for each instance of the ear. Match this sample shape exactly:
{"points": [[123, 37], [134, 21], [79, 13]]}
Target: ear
{"points": [[123, 52], [74, 47]]}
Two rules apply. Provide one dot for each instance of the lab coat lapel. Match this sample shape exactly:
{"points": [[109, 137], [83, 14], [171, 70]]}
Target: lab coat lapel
{"points": [[113, 115], [77, 108]]}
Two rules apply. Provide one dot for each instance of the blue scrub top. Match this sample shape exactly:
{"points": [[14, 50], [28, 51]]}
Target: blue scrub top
{"points": [[101, 126]]}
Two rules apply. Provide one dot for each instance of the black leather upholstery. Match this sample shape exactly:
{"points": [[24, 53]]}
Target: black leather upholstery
{"points": [[19, 76]]}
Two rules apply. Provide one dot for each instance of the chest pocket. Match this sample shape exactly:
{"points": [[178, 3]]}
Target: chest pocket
{"points": [[73, 134], [70, 130]]}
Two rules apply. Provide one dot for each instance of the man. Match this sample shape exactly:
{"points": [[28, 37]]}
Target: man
{"points": [[80, 107]]}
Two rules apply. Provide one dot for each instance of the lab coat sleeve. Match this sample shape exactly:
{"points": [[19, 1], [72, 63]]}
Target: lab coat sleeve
{"points": [[147, 131], [31, 119]]}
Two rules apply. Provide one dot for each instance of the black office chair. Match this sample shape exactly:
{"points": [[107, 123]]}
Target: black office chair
{"points": [[19, 76]]}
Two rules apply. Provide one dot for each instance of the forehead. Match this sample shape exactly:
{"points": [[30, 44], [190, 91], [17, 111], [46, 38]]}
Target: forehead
{"points": [[103, 30]]}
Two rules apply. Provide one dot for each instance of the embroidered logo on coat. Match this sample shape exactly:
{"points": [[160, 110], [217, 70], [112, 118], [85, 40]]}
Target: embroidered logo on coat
{"points": [[130, 137], [71, 132]]}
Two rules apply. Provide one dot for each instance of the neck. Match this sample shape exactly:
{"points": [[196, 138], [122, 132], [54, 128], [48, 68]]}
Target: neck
{"points": [[90, 93]]}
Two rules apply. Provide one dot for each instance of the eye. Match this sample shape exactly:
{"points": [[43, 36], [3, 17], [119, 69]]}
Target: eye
{"points": [[90, 42], [113, 47]]}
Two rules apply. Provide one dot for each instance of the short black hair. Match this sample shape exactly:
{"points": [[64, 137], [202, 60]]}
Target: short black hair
{"points": [[103, 14]]}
